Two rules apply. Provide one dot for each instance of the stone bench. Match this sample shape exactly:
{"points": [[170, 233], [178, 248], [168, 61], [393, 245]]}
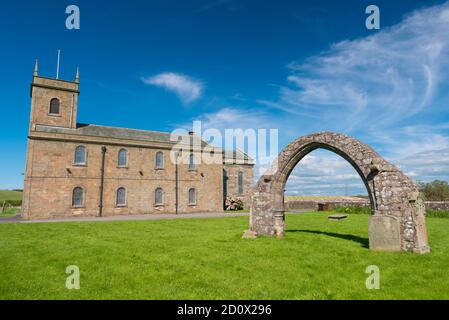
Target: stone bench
{"points": [[337, 217]]}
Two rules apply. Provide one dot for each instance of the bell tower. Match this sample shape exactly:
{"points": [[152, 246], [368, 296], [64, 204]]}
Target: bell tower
{"points": [[54, 102]]}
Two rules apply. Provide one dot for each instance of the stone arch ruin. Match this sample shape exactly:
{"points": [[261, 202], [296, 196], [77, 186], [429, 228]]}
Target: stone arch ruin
{"points": [[397, 222]]}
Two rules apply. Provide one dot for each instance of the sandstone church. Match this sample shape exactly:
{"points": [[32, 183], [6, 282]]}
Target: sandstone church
{"points": [[75, 169]]}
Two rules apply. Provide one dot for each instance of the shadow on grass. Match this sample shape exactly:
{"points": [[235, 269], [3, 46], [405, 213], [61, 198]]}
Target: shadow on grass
{"points": [[364, 242]]}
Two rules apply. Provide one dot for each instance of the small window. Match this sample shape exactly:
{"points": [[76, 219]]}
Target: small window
{"points": [[240, 182], [159, 196], [80, 155], [121, 197], [192, 165], [192, 196], [54, 106], [123, 158], [160, 160], [78, 197]]}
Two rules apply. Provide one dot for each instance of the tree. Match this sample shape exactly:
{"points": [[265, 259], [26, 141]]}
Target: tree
{"points": [[437, 190]]}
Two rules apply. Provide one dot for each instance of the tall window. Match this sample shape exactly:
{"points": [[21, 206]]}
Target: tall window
{"points": [[192, 165], [159, 196], [121, 197], [225, 183], [160, 160], [78, 197], [192, 196], [122, 158], [80, 155], [240, 182], [54, 106]]}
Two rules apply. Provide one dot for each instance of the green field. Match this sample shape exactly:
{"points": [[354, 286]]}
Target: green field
{"points": [[9, 212], [208, 259], [10, 195]]}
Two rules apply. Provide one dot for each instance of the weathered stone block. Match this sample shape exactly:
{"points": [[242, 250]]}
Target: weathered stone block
{"points": [[384, 233], [249, 234]]}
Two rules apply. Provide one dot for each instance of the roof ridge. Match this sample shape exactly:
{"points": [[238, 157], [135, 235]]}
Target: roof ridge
{"points": [[121, 128]]}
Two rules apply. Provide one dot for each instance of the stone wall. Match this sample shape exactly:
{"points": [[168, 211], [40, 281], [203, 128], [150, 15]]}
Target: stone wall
{"points": [[51, 177], [313, 205], [437, 205], [232, 182], [300, 205], [43, 90]]}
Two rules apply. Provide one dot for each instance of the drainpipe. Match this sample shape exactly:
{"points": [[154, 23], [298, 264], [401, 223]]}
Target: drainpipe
{"points": [[71, 110], [103, 156], [177, 183]]}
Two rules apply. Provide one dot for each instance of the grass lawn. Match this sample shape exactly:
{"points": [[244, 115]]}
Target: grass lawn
{"points": [[10, 195], [208, 259]]}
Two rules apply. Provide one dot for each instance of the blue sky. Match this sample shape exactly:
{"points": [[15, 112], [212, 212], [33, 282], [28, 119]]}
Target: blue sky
{"points": [[299, 66]]}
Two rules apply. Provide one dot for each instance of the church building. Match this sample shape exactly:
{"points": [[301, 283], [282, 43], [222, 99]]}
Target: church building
{"points": [[75, 169]]}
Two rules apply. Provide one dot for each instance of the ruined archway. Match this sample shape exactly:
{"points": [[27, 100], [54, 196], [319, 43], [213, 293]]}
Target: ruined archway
{"points": [[397, 223]]}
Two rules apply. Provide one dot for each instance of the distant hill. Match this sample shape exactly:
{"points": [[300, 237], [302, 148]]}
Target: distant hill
{"points": [[10, 195]]}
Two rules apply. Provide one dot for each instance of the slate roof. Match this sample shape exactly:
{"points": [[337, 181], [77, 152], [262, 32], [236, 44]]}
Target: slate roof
{"points": [[111, 132], [238, 155], [134, 134]]}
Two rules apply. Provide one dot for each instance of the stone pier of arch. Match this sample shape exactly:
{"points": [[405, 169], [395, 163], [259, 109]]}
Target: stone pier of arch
{"points": [[398, 220]]}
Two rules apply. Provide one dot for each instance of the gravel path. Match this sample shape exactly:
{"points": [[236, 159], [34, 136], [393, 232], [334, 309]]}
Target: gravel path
{"points": [[127, 218], [142, 217]]}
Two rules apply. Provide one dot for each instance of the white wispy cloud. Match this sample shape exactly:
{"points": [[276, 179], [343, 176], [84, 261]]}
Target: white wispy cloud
{"points": [[371, 87], [387, 89], [421, 151], [324, 173], [186, 88], [376, 80]]}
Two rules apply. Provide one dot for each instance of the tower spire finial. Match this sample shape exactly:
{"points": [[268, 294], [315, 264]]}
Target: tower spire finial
{"points": [[36, 67], [77, 78]]}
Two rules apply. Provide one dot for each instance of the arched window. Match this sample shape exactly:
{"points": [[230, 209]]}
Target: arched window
{"points": [[240, 182], [192, 196], [192, 165], [159, 196], [123, 158], [80, 155], [160, 160], [78, 197], [121, 197], [54, 106]]}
